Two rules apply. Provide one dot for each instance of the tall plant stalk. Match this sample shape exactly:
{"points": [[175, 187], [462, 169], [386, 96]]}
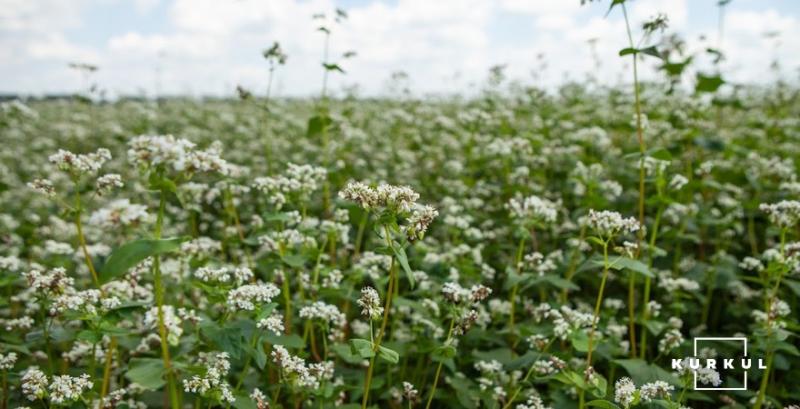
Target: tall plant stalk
{"points": [[596, 315], [376, 344], [439, 367], [640, 139], [770, 297], [159, 293]]}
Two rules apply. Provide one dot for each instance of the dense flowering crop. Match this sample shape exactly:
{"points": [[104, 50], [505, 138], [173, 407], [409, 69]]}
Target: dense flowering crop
{"points": [[518, 249]]}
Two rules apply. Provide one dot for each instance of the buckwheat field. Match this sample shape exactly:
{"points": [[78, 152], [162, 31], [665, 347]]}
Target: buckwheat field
{"points": [[518, 248]]}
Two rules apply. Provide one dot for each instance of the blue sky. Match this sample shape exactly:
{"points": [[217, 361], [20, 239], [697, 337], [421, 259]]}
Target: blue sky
{"points": [[210, 46]]}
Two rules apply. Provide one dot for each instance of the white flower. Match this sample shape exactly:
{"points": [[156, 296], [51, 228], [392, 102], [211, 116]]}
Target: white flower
{"points": [[43, 186], [235, 275], [65, 388], [655, 390], [328, 313], [108, 182], [259, 398], [295, 370], [246, 296], [119, 213], [671, 340], [533, 402], [393, 198], [785, 213], [79, 163], [370, 303], [533, 209], [708, 376], [34, 383], [418, 222], [624, 391], [410, 393], [608, 224], [7, 361], [678, 182], [171, 321], [53, 282], [179, 154], [217, 366], [273, 323], [201, 246]]}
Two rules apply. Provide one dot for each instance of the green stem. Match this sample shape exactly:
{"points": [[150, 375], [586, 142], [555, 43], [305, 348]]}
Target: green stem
{"points": [[647, 280], [597, 303], [82, 238], [596, 315], [439, 367], [360, 235], [107, 369], [762, 391], [513, 296], [5, 390], [159, 293], [525, 379], [388, 306]]}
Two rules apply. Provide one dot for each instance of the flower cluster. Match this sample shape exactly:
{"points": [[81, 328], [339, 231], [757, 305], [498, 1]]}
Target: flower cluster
{"points": [[151, 151], [533, 209], [246, 297], [62, 389], [295, 370], [212, 382], [77, 164], [609, 224], [785, 213], [370, 303]]}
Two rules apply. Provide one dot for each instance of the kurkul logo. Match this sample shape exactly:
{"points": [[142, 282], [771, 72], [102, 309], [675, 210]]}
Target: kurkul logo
{"points": [[696, 365]]}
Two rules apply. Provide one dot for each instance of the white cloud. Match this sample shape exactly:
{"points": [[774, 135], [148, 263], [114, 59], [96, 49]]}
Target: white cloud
{"points": [[212, 45]]}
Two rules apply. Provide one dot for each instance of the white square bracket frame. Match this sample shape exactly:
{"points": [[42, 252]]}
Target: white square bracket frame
{"points": [[743, 340]]}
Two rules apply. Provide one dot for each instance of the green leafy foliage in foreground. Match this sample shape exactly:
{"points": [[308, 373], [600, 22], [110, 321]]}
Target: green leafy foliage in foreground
{"points": [[519, 249]]}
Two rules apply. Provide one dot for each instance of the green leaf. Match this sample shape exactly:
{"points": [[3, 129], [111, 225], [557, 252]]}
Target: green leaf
{"points": [[706, 83], [289, 341], [642, 372], [559, 282], [655, 327], [243, 401], [389, 355], [161, 183], [599, 385], [317, 124], [345, 352], [602, 404], [651, 51], [613, 3], [228, 338], [580, 341], [362, 348], [333, 67], [257, 353], [147, 372], [294, 260], [660, 154], [90, 336], [400, 253], [637, 266], [443, 352], [123, 258], [571, 378], [787, 347]]}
